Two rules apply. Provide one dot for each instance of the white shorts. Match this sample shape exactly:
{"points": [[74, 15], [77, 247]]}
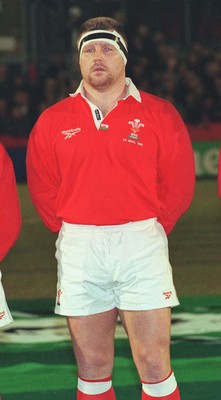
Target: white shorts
{"points": [[103, 267], [5, 315]]}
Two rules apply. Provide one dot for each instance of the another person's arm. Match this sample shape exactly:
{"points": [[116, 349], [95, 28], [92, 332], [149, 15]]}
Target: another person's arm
{"points": [[219, 175], [10, 216]]}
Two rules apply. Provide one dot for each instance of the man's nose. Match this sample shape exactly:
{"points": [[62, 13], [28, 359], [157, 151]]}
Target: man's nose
{"points": [[98, 53]]}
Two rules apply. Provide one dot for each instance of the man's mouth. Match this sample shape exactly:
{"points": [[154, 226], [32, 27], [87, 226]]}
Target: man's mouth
{"points": [[98, 68]]}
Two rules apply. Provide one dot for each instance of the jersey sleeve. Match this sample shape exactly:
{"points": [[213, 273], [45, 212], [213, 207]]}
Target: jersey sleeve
{"points": [[43, 177], [176, 179], [10, 216], [219, 175]]}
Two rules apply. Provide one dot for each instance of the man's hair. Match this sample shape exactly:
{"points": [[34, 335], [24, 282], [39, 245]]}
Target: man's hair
{"points": [[102, 23]]}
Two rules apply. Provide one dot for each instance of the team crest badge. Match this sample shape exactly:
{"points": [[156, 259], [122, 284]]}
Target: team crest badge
{"points": [[135, 128], [133, 137]]}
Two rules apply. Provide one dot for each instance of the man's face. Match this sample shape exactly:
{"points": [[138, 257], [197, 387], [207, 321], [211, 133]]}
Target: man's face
{"points": [[101, 64]]}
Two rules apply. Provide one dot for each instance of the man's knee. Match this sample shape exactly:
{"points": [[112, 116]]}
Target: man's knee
{"points": [[95, 365], [152, 363]]}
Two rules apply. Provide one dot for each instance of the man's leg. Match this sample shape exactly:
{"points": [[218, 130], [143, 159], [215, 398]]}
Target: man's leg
{"points": [[149, 335], [93, 344]]}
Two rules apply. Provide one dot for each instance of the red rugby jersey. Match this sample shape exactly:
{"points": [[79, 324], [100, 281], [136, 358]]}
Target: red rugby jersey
{"points": [[138, 165], [10, 217]]}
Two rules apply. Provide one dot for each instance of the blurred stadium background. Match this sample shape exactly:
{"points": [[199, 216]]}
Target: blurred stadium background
{"points": [[175, 53]]}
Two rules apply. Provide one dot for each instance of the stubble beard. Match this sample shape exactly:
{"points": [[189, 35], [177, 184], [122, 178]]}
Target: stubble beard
{"points": [[101, 83]]}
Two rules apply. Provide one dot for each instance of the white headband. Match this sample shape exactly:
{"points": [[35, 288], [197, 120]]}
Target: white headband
{"points": [[112, 37]]}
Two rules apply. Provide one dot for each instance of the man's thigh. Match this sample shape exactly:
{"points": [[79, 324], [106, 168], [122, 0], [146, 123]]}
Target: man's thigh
{"points": [[93, 343], [149, 335]]}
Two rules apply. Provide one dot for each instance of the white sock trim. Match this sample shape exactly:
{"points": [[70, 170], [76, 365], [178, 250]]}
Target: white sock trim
{"points": [[93, 387], [161, 389]]}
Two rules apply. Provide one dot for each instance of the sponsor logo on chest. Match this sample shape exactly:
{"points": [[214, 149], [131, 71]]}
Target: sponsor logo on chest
{"points": [[69, 133]]}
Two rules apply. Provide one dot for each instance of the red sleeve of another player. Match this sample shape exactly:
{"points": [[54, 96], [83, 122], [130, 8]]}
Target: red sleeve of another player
{"points": [[10, 217], [219, 175]]}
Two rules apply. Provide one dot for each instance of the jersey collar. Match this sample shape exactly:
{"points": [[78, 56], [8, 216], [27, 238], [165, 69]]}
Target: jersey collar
{"points": [[131, 90]]}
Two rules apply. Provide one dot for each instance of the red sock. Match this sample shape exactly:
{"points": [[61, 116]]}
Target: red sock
{"points": [[95, 389]]}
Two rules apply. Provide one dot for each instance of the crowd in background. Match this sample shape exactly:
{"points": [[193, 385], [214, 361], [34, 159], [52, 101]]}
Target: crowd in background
{"points": [[190, 78]]}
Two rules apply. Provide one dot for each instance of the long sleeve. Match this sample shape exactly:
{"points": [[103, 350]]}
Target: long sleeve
{"points": [[43, 175], [177, 171], [10, 216], [219, 175]]}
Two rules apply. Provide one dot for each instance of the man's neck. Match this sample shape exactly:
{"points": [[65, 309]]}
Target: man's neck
{"points": [[105, 100]]}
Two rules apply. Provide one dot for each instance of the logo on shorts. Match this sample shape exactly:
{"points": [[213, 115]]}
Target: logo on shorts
{"points": [[2, 314], [167, 295], [59, 297]]}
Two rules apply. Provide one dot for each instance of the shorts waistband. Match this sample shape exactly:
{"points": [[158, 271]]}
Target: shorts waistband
{"points": [[133, 226]]}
